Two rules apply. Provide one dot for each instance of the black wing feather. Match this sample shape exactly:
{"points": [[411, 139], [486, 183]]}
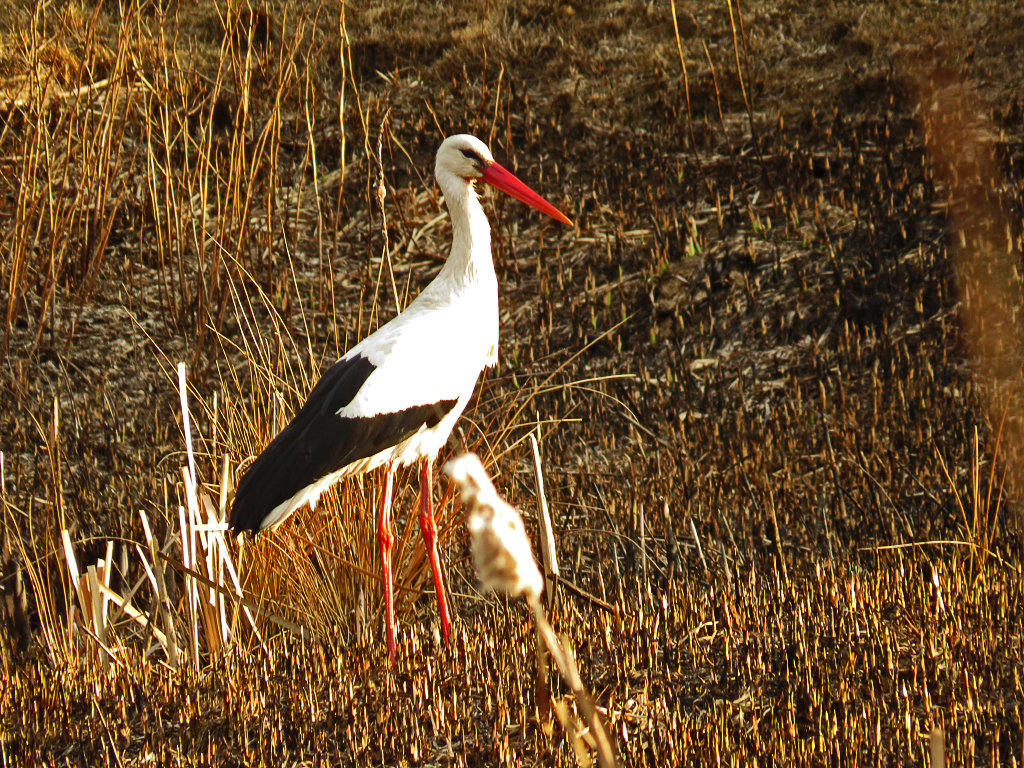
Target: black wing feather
{"points": [[318, 442]]}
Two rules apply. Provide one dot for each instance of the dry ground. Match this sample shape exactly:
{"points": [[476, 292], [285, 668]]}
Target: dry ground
{"points": [[774, 368]]}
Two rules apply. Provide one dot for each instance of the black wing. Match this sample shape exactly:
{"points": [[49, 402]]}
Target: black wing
{"points": [[318, 442]]}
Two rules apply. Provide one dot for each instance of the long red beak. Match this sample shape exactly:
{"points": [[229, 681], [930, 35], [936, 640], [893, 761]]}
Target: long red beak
{"points": [[506, 181]]}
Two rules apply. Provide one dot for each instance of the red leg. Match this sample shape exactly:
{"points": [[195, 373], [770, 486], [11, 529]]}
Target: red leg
{"points": [[429, 531], [387, 544]]}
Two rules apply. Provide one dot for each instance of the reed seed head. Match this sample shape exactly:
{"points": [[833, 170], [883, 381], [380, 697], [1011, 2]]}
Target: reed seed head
{"points": [[501, 549]]}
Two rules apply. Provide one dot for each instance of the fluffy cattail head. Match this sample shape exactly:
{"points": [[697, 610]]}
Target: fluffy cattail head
{"points": [[501, 550]]}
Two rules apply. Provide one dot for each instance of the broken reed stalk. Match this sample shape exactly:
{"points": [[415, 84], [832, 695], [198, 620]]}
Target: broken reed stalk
{"points": [[210, 576], [504, 562], [212, 597], [159, 584], [88, 626], [562, 654]]}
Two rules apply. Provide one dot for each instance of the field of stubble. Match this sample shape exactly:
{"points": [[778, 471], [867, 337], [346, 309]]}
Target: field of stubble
{"points": [[774, 372]]}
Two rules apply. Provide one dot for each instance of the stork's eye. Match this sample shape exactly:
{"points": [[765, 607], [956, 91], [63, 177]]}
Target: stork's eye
{"points": [[469, 154]]}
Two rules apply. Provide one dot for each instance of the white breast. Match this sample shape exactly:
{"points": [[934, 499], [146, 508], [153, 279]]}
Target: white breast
{"points": [[430, 353]]}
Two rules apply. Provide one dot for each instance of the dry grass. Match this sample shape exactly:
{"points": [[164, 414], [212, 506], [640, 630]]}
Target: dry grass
{"points": [[775, 371]]}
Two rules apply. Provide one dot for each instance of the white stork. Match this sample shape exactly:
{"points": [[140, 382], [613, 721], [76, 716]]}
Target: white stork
{"points": [[395, 396]]}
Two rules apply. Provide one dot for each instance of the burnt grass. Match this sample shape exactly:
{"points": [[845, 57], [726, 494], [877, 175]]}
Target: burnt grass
{"points": [[775, 366]]}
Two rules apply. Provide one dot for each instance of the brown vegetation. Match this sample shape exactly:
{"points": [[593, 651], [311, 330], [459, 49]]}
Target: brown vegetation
{"points": [[775, 371]]}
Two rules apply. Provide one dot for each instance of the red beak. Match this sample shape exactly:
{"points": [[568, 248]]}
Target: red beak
{"points": [[504, 180]]}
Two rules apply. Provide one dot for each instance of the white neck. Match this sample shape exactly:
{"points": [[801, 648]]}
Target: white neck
{"points": [[470, 257]]}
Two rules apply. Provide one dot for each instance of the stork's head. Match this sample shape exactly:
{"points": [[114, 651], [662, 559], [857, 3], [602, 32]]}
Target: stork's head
{"points": [[466, 157]]}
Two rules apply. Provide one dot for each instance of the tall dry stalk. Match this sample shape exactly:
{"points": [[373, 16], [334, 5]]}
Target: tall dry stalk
{"points": [[65, 135], [504, 563]]}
